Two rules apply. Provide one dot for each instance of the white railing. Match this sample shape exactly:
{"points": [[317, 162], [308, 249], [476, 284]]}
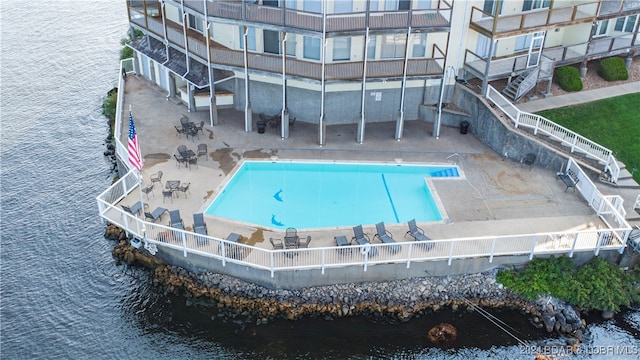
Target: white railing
{"points": [[539, 124], [121, 149], [609, 208], [156, 235]]}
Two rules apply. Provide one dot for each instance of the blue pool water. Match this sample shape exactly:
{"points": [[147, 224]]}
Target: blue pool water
{"points": [[315, 195]]}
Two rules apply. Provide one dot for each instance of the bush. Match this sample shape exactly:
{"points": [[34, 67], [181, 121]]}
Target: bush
{"points": [[568, 78], [597, 285], [613, 69]]}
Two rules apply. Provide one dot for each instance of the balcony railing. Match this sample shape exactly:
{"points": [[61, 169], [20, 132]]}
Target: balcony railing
{"points": [[509, 25], [436, 19]]}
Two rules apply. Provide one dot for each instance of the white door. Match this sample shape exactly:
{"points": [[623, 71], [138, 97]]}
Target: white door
{"points": [[535, 49]]}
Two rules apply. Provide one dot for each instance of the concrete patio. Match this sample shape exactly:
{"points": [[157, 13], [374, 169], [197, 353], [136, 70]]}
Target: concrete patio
{"points": [[496, 196]]}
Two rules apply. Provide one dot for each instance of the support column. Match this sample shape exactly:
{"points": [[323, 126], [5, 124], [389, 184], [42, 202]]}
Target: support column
{"points": [[485, 81], [284, 112], [192, 99], [321, 122], [360, 134], [400, 120], [248, 115], [213, 109]]}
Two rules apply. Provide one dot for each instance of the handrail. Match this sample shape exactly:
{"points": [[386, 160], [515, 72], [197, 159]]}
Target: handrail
{"points": [[156, 235], [539, 124], [121, 149]]}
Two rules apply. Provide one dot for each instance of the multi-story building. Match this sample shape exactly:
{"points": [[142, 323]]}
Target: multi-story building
{"points": [[355, 62]]}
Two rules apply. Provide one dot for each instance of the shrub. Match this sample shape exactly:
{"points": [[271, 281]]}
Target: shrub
{"points": [[109, 105], [597, 285], [613, 69], [568, 78]]}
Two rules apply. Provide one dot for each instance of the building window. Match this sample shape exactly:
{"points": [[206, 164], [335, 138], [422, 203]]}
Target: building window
{"points": [[251, 38], [273, 3], [419, 44], [626, 24], [196, 23], [601, 28], [291, 44], [343, 6], [312, 6], [489, 7], [341, 49], [393, 46], [523, 42], [311, 48], [397, 4], [535, 4], [271, 41], [371, 48]]}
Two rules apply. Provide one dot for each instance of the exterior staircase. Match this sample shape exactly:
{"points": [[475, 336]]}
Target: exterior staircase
{"points": [[521, 85]]}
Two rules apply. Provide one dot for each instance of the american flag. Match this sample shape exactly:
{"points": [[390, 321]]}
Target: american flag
{"points": [[135, 158]]}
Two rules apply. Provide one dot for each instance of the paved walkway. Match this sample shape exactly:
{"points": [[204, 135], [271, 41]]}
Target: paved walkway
{"points": [[580, 97]]}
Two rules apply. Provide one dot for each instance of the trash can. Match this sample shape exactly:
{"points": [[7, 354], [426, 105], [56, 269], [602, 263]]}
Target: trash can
{"points": [[261, 125], [464, 127]]}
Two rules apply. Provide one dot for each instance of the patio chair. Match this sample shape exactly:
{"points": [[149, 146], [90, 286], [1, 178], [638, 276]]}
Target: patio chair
{"points": [[383, 235], [183, 151], [529, 159], [276, 243], [184, 121], [363, 239], [155, 214], [167, 194], [175, 220], [183, 189], [418, 234], [199, 226], [157, 177], [181, 160], [192, 161], [197, 128], [148, 189], [202, 150], [291, 238], [181, 131], [305, 243]]}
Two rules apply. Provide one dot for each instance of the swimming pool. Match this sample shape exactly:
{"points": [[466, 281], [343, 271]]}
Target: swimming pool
{"points": [[316, 195]]}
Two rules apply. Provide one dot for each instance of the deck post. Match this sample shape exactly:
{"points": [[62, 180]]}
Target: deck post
{"points": [[213, 109], [400, 121], [360, 134], [248, 117], [487, 68], [323, 46]]}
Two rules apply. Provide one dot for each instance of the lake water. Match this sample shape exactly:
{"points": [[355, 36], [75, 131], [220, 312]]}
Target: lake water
{"points": [[61, 294]]}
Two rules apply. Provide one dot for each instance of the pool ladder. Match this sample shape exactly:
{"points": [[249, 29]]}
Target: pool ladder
{"points": [[455, 156]]}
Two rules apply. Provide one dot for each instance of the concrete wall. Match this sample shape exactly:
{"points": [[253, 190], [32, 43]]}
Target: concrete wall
{"points": [[341, 107], [295, 279]]}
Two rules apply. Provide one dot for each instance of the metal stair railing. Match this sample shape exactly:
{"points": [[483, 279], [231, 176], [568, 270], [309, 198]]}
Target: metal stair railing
{"points": [[539, 124]]}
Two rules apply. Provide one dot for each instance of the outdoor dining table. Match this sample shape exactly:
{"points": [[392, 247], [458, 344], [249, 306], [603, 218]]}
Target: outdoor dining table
{"points": [[172, 184]]}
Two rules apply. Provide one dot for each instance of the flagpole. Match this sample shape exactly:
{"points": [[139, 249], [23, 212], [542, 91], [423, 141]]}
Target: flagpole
{"points": [[139, 177]]}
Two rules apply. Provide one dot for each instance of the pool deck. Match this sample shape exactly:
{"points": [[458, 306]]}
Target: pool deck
{"points": [[496, 196]]}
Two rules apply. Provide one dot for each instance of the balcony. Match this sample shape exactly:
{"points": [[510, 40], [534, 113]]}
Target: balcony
{"points": [[434, 19], [512, 25], [503, 67]]}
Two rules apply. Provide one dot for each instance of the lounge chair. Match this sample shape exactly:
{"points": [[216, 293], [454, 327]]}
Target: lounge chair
{"points": [[418, 234], [291, 238], [385, 237], [155, 214], [276, 243], [199, 226], [363, 239], [135, 208], [175, 220]]}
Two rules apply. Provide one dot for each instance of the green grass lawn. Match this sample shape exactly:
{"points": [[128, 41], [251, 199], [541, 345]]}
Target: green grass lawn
{"points": [[613, 123]]}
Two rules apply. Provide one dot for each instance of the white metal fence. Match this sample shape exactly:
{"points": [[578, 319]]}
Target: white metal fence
{"points": [[566, 137], [217, 249]]}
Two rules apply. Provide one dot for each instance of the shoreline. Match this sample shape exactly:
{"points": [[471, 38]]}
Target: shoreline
{"points": [[391, 301]]}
